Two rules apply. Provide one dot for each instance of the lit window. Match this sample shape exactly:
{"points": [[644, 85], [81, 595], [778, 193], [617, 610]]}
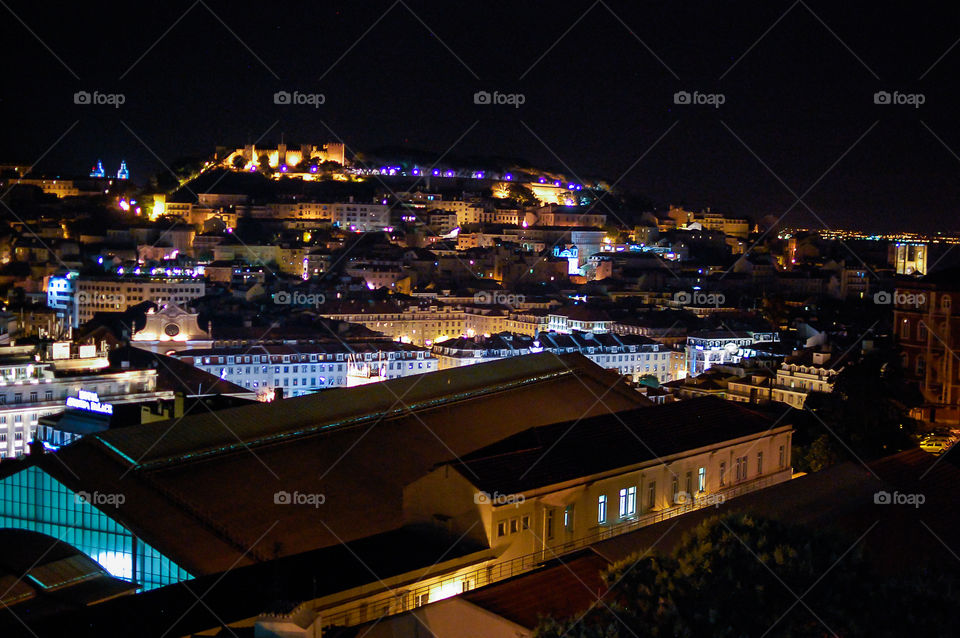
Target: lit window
{"points": [[628, 501], [701, 479], [602, 509]]}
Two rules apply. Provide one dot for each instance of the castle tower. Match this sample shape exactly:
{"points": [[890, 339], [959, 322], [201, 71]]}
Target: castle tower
{"points": [[123, 173]]}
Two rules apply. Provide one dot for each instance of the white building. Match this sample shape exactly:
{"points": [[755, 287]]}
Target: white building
{"points": [[629, 355], [30, 389], [304, 368], [116, 294], [708, 348]]}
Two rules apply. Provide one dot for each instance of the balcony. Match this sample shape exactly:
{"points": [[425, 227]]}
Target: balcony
{"points": [[401, 599]]}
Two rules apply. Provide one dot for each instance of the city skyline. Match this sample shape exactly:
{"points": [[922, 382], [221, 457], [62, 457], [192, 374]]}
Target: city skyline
{"points": [[799, 84]]}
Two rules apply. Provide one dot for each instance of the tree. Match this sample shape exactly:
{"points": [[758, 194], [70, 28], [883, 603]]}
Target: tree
{"points": [[740, 575], [868, 407], [523, 195], [649, 380], [264, 164], [239, 161]]}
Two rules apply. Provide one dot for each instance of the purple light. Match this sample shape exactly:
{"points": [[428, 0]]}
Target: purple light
{"points": [[416, 172], [556, 183], [313, 169], [508, 177], [542, 180], [436, 171], [283, 168], [450, 174]]}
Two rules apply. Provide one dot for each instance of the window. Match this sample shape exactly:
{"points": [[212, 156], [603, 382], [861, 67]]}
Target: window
{"points": [[652, 495], [568, 518], [48, 395], [525, 522], [33, 397], [602, 509], [628, 501], [675, 488], [759, 462], [723, 471], [514, 525], [702, 479], [782, 457], [501, 529], [689, 486], [548, 524]]}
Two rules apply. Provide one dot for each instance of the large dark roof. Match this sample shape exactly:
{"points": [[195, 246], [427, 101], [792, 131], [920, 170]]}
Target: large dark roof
{"points": [[201, 489], [555, 453], [243, 592]]}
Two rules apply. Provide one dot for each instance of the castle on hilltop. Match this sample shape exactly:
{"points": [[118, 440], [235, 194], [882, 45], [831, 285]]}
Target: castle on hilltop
{"points": [[285, 156]]}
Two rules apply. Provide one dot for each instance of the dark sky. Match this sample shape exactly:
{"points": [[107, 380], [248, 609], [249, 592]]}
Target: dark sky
{"points": [[798, 82]]}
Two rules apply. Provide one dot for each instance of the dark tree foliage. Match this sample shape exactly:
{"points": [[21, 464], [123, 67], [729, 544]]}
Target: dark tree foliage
{"points": [[868, 408], [740, 576]]}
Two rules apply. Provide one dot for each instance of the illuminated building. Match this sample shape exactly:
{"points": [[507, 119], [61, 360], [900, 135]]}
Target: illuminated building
{"points": [[123, 173], [629, 355], [98, 170], [283, 155], [306, 368], [718, 347], [32, 389], [806, 372], [908, 258], [195, 500], [171, 328], [116, 294], [926, 330]]}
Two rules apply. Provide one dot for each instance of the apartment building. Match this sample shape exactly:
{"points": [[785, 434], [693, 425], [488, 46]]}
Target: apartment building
{"points": [[805, 372], [630, 356], [116, 294], [926, 328], [34, 386], [305, 368], [559, 487]]}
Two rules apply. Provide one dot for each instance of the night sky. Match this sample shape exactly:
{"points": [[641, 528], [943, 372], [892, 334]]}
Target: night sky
{"points": [[598, 80]]}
